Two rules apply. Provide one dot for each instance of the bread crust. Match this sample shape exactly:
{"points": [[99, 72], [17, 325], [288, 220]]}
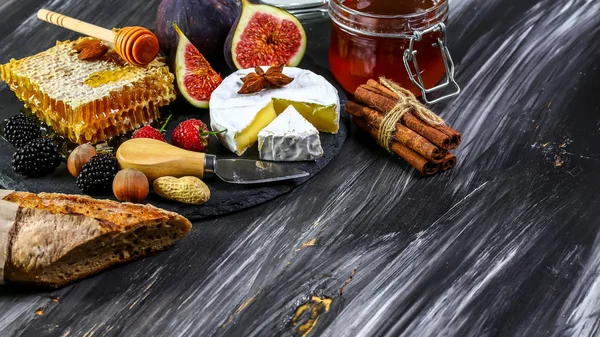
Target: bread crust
{"points": [[113, 215], [90, 225]]}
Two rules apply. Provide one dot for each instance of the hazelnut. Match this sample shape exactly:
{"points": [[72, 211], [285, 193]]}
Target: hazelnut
{"points": [[78, 157], [130, 185]]}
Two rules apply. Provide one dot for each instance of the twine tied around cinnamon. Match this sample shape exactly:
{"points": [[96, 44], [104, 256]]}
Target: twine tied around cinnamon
{"points": [[407, 102]]}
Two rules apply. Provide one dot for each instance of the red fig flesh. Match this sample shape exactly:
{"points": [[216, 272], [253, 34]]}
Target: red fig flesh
{"points": [[265, 35], [196, 79]]}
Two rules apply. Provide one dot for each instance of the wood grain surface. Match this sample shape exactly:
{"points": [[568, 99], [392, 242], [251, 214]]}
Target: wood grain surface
{"points": [[506, 244]]}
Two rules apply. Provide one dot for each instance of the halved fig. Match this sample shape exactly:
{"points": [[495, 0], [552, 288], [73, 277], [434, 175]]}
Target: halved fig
{"points": [[196, 79], [264, 35]]}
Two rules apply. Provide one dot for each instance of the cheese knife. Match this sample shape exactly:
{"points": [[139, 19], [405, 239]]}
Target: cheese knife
{"points": [[157, 159]]}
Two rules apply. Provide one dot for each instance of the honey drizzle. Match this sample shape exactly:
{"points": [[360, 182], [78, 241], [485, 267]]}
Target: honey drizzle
{"points": [[110, 76]]}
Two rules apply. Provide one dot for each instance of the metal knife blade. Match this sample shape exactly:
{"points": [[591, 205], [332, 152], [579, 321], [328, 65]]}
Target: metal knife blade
{"points": [[246, 171]]}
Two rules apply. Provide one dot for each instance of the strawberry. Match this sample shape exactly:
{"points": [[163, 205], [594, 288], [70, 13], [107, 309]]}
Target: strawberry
{"points": [[192, 135], [150, 132]]}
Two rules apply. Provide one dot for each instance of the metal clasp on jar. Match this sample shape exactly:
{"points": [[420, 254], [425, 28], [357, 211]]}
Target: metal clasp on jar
{"points": [[411, 55]]}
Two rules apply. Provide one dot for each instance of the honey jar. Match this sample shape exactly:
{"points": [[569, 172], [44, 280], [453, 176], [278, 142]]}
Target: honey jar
{"points": [[403, 40]]}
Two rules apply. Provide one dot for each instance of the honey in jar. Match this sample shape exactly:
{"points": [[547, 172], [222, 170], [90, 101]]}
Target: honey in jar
{"points": [[403, 40]]}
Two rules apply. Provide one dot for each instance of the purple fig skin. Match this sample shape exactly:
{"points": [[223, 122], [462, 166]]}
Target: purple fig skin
{"points": [[205, 22]]}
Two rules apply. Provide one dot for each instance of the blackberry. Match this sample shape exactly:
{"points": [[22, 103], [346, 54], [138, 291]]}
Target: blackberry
{"points": [[97, 175], [38, 158], [20, 130]]}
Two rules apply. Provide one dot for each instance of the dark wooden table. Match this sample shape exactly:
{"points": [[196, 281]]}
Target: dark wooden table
{"points": [[507, 244]]}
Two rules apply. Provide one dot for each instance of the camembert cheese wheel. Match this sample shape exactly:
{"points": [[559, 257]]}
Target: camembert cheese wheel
{"points": [[245, 115]]}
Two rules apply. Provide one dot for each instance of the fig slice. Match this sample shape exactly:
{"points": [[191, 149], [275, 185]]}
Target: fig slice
{"points": [[196, 79], [264, 35]]}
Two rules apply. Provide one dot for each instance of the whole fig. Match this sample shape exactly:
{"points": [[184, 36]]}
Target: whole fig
{"points": [[205, 22]]}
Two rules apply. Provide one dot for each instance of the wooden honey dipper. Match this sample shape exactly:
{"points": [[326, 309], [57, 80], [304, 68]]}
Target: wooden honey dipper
{"points": [[136, 45]]}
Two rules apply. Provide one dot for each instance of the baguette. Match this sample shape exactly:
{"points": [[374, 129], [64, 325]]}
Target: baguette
{"points": [[58, 238]]}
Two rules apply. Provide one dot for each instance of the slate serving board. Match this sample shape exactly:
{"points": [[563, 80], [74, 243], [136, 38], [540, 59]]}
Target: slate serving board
{"points": [[225, 198]]}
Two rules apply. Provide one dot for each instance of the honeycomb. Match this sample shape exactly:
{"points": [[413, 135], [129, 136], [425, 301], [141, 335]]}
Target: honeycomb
{"points": [[89, 101]]}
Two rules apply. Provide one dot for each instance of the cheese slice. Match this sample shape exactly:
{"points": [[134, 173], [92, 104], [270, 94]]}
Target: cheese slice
{"points": [[243, 116], [290, 137]]}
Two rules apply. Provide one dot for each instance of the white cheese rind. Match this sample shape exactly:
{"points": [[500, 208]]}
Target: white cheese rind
{"points": [[234, 112], [290, 137]]}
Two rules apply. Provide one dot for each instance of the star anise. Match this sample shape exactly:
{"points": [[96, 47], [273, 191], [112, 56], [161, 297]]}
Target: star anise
{"points": [[257, 81]]}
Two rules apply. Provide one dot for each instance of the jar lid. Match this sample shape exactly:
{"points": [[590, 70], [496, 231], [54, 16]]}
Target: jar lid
{"points": [[387, 18]]}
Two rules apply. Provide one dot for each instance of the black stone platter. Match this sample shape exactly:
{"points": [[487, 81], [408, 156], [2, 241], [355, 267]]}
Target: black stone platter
{"points": [[225, 198]]}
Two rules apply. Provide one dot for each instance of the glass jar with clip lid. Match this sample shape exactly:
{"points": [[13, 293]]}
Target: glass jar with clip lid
{"points": [[403, 40]]}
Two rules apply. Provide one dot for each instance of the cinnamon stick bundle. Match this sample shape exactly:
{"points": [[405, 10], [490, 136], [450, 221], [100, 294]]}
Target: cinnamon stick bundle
{"points": [[413, 158], [374, 94], [456, 137], [404, 135]]}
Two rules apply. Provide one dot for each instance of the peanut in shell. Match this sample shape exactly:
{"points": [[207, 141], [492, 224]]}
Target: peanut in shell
{"points": [[189, 190]]}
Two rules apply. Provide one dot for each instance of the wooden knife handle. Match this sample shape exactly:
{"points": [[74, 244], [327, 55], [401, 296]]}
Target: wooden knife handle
{"points": [[158, 159]]}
